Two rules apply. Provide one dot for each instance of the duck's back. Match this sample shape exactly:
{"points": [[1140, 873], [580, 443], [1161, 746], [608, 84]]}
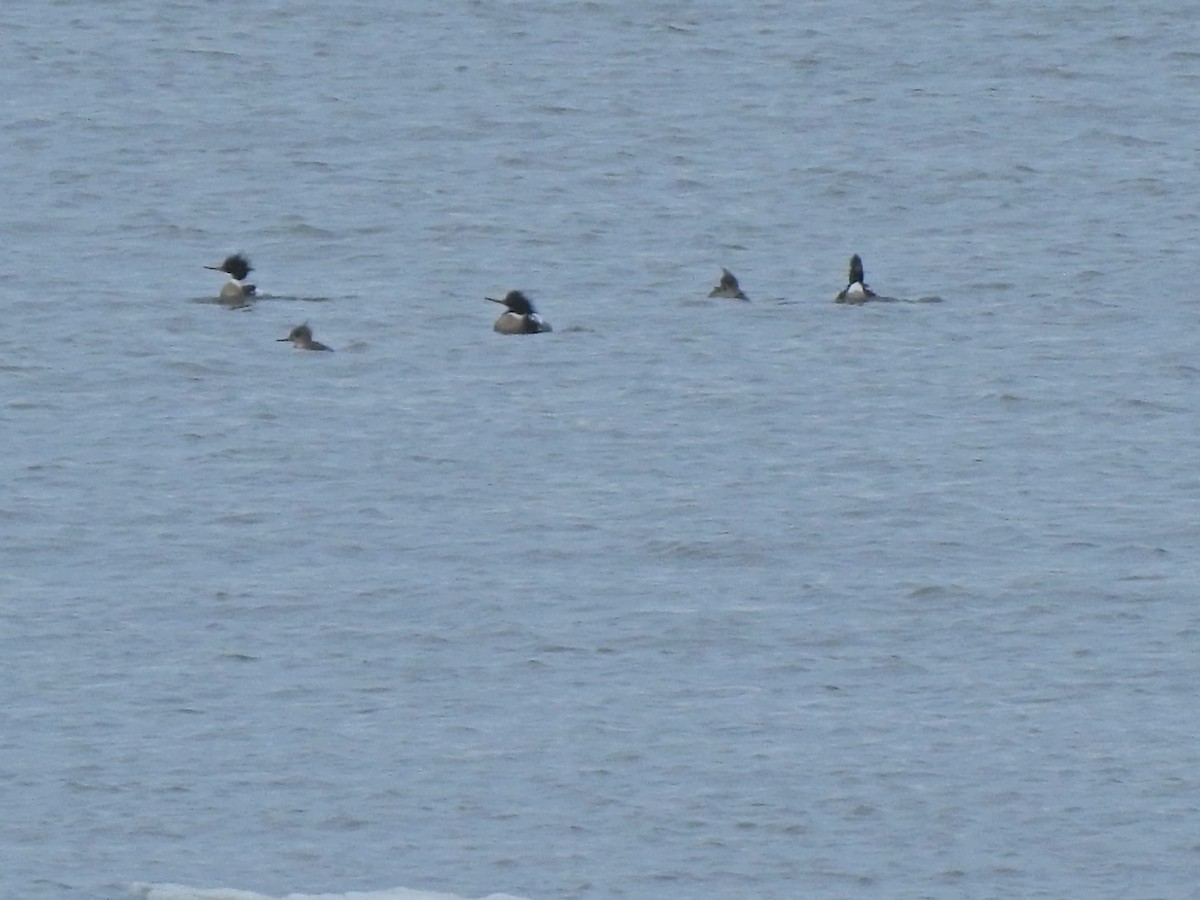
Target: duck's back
{"points": [[512, 323]]}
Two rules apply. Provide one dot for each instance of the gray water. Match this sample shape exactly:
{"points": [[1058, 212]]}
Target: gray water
{"points": [[688, 599]]}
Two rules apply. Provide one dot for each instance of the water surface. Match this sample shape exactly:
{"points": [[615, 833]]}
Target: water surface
{"points": [[689, 598]]}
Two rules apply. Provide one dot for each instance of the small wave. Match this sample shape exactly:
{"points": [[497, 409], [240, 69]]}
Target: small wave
{"points": [[184, 892]]}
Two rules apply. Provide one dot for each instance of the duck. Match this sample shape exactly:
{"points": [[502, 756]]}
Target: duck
{"points": [[235, 290], [519, 317], [302, 339], [728, 287], [856, 291]]}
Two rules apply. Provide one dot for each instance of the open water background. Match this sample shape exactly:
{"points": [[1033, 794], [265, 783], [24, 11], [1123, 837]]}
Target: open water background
{"points": [[689, 599]]}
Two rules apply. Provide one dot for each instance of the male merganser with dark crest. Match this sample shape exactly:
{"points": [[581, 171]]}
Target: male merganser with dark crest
{"points": [[728, 287], [302, 339], [856, 291], [519, 317], [237, 267]]}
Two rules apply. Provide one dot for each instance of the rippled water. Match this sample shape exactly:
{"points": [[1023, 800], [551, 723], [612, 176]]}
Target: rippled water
{"points": [[690, 598]]}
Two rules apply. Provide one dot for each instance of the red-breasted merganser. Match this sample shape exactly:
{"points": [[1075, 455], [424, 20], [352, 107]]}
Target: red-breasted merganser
{"points": [[520, 317], [856, 291], [728, 287], [237, 267]]}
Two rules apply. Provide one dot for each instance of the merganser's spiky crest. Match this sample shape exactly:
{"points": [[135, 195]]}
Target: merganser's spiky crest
{"points": [[236, 266]]}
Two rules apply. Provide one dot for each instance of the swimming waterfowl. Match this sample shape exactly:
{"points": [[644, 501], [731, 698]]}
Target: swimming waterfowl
{"points": [[728, 287], [302, 339], [519, 317], [856, 291], [237, 267]]}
